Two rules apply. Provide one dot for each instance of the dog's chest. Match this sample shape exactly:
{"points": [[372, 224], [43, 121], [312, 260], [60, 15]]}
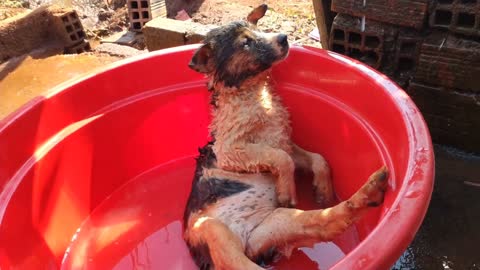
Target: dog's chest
{"points": [[252, 117]]}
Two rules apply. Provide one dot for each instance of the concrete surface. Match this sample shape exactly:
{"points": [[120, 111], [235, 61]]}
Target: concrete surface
{"points": [[117, 50]]}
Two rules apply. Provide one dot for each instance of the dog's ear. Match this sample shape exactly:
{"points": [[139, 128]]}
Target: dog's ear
{"points": [[257, 13], [202, 60]]}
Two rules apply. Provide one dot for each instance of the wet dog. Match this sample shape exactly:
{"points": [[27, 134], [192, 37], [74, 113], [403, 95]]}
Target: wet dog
{"points": [[235, 215]]}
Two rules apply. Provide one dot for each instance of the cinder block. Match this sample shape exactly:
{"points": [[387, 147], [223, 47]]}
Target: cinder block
{"points": [[453, 117], [368, 46], [142, 11], [446, 60], [407, 49], [163, 33], [83, 46], [410, 13], [67, 26], [459, 16]]}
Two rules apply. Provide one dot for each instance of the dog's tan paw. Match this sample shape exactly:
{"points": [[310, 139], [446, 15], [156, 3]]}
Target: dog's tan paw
{"points": [[376, 187]]}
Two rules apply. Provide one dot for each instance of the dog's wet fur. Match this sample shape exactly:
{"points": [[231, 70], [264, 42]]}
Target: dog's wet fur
{"points": [[238, 214]]}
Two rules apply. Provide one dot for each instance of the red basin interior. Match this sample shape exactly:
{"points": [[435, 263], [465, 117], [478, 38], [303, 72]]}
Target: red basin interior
{"points": [[96, 173]]}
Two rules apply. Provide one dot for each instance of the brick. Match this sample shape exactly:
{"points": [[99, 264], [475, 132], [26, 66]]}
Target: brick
{"points": [[83, 46], [453, 117], [446, 60], [411, 13], [407, 49], [67, 27], [142, 11], [163, 33], [139, 14], [23, 33], [459, 16], [368, 46], [453, 134], [158, 8], [52, 25], [447, 102], [408, 46]]}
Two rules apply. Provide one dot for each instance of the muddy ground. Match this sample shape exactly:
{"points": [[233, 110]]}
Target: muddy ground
{"points": [[296, 18]]}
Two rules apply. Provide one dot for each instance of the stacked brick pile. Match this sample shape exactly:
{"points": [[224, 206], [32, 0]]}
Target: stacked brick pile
{"points": [[429, 47]]}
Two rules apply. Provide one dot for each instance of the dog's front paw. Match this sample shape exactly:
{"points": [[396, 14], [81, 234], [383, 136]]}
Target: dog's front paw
{"points": [[322, 182], [323, 189], [324, 198]]}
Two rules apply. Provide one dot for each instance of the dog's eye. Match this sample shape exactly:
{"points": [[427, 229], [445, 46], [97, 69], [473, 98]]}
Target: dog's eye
{"points": [[247, 43]]}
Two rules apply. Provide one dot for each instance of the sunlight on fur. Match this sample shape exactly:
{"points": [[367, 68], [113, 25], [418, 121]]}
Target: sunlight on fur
{"points": [[199, 222], [266, 98]]}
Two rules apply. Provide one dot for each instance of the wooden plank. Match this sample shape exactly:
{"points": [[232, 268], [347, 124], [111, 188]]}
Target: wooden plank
{"points": [[322, 16]]}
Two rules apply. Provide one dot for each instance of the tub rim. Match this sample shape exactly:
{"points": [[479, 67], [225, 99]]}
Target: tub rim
{"points": [[398, 226]]}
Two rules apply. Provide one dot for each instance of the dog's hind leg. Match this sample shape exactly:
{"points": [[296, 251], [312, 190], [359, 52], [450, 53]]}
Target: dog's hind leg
{"points": [[322, 181], [286, 229], [226, 249], [259, 157]]}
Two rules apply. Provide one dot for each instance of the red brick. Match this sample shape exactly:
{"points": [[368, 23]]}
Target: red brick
{"points": [[459, 16], [142, 11], [410, 13], [67, 27], [407, 49], [83, 46], [446, 60], [453, 117], [368, 46]]}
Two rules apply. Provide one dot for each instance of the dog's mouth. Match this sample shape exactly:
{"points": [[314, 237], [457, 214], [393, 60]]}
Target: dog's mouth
{"points": [[283, 54], [283, 45]]}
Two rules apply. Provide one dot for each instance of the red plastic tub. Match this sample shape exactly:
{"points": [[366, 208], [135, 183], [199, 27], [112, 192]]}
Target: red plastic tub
{"points": [[95, 174]]}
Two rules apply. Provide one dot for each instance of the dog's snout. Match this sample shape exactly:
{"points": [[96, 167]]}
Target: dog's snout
{"points": [[282, 40]]}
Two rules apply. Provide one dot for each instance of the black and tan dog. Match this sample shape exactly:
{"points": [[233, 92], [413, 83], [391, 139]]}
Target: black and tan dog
{"points": [[234, 216]]}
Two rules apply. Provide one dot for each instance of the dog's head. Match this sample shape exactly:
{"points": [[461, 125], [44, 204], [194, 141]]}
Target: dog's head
{"points": [[237, 51]]}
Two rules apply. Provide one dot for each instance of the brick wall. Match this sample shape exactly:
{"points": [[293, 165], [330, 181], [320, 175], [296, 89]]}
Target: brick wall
{"points": [[431, 48]]}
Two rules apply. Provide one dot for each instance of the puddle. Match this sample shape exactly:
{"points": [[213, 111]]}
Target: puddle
{"points": [[23, 78]]}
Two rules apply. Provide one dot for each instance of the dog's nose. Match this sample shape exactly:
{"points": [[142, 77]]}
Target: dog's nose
{"points": [[282, 40]]}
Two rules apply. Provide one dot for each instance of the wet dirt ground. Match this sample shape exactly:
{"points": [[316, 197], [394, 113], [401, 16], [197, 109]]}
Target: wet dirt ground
{"points": [[26, 77], [450, 234]]}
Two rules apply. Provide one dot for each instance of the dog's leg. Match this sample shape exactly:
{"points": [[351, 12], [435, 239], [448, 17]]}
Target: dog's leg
{"points": [[322, 181], [226, 249], [286, 229], [259, 157]]}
